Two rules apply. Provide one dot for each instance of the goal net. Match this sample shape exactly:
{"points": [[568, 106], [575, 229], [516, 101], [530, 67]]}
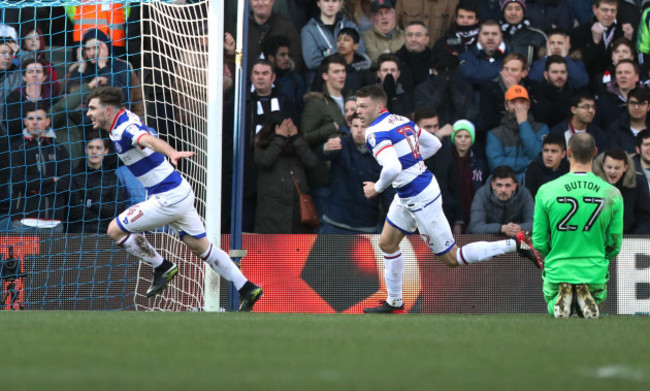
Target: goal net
{"points": [[54, 250]]}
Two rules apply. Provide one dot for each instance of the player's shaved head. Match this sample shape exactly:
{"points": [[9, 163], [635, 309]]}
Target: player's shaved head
{"points": [[376, 93], [108, 96], [583, 147]]}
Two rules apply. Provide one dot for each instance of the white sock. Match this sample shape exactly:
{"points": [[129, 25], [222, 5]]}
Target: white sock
{"points": [[222, 264], [484, 251], [393, 271], [138, 246]]}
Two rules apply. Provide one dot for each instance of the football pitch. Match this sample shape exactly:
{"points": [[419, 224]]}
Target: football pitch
{"points": [[229, 351]]}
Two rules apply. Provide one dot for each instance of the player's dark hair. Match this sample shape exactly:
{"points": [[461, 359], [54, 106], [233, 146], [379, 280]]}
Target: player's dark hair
{"points": [[637, 69], [335, 58], [272, 44], [616, 154], [374, 92], [555, 139], [642, 135], [641, 94], [504, 172], [554, 59], [583, 147], [350, 32], [468, 5], [424, 114], [108, 96], [576, 99], [389, 57], [557, 31]]}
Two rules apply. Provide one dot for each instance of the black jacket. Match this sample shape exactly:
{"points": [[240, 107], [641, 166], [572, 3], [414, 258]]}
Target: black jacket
{"points": [[595, 56], [619, 134], [449, 95], [40, 179], [95, 199], [609, 106], [550, 105], [415, 67], [538, 174], [597, 133]]}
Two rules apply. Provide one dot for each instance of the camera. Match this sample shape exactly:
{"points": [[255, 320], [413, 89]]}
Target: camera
{"points": [[10, 266]]}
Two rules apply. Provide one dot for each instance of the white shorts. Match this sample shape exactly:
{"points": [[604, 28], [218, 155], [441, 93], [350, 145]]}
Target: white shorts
{"points": [[423, 212], [172, 208]]}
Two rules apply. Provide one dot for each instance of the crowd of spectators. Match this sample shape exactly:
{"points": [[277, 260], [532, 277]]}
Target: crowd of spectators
{"points": [[502, 83]]}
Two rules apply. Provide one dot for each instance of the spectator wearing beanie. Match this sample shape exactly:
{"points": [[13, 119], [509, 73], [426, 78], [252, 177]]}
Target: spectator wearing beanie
{"points": [[518, 34], [471, 167]]}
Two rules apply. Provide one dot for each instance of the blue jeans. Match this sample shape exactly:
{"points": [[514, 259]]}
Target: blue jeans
{"points": [[319, 196]]}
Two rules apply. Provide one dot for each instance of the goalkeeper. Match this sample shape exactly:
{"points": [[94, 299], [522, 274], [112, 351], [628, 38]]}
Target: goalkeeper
{"points": [[578, 226], [170, 202]]}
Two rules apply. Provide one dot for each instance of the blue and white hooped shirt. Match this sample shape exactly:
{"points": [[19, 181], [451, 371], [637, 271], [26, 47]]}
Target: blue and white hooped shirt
{"points": [[149, 167], [390, 130]]}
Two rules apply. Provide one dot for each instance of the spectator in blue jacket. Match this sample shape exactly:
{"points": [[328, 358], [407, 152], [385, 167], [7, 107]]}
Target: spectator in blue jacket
{"points": [[558, 43], [483, 62], [518, 140], [318, 37], [347, 210]]}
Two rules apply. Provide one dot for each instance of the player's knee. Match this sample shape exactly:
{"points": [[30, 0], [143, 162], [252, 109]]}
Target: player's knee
{"points": [[388, 247], [114, 231]]}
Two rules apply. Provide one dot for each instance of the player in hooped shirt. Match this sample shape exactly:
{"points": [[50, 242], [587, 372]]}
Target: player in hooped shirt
{"points": [[400, 147], [170, 201]]}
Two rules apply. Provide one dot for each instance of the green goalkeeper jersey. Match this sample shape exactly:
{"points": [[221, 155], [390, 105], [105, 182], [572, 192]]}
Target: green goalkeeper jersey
{"points": [[578, 226]]}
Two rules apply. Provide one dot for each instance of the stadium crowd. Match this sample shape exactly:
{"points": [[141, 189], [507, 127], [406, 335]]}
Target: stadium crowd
{"points": [[502, 83]]}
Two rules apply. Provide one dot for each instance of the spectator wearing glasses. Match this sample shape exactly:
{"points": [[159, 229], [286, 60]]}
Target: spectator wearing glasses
{"points": [[622, 133], [583, 110]]}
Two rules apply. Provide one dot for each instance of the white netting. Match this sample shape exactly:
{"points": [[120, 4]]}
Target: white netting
{"points": [[175, 55], [168, 54]]}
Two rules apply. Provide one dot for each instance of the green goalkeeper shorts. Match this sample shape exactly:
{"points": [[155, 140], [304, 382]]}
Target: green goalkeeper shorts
{"points": [[598, 292]]}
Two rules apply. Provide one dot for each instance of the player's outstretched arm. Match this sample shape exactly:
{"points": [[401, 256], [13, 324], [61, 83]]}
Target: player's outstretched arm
{"points": [[161, 146]]}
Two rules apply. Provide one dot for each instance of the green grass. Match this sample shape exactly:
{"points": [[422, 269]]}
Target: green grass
{"points": [[228, 351]]}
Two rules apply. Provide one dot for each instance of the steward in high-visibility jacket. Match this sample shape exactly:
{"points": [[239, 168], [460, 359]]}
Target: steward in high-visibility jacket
{"points": [[109, 18]]}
